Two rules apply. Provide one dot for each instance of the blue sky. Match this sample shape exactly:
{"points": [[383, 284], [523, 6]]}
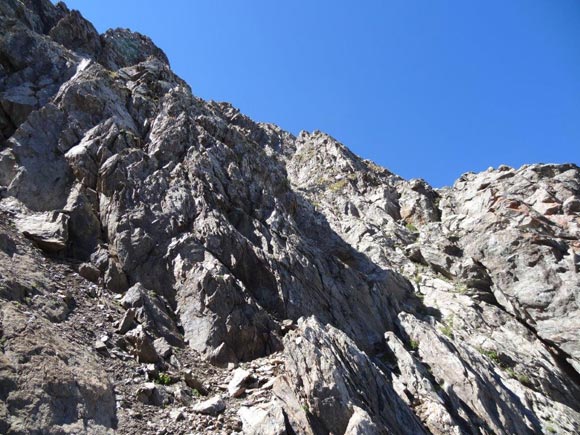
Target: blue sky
{"points": [[426, 88]]}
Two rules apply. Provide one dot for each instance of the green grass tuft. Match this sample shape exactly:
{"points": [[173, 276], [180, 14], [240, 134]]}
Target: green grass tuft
{"points": [[338, 186], [447, 329], [411, 227], [164, 379], [491, 354]]}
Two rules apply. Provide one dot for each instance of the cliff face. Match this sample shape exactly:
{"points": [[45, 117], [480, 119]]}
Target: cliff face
{"points": [[147, 235]]}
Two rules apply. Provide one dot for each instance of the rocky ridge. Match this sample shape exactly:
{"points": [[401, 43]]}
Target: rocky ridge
{"points": [[168, 265]]}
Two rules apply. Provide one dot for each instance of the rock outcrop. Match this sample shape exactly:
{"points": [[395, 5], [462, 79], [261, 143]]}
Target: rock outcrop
{"points": [[151, 242]]}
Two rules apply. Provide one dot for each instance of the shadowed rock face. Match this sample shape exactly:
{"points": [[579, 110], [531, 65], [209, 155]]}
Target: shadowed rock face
{"points": [[411, 309]]}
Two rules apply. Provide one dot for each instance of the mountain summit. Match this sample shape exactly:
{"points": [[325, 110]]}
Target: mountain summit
{"points": [[169, 266]]}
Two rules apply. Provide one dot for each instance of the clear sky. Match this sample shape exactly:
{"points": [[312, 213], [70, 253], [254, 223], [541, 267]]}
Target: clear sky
{"points": [[426, 88]]}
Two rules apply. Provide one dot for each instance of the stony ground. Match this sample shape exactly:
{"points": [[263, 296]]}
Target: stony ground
{"points": [[92, 315]]}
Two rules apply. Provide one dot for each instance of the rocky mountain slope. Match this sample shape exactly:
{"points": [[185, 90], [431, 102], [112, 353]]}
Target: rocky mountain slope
{"points": [[168, 265]]}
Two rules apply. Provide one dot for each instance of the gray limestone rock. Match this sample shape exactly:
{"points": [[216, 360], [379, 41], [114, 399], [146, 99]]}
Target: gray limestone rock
{"points": [[295, 411], [237, 385], [127, 322], [263, 419], [193, 382], [336, 377], [213, 406], [77, 34], [424, 310], [89, 271], [143, 347], [115, 279], [361, 424], [63, 382], [151, 394], [151, 312], [48, 230], [122, 48], [162, 347]]}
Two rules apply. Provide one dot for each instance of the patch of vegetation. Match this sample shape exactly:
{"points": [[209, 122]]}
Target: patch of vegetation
{"points": [[338, 186], [195, 392], [417, 278], [305, 408], [320, 180], [164, 379], [414, 344], [447, 329], [491, 354], [374, 167], [511, 372], [461, 288], [443, 277], [524, 379], [411, 227], [112, 74], [306, 154], [551, 429]]}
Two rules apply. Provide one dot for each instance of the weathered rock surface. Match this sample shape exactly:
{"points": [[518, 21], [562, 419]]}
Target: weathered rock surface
{"points": [[237, 384], [353, 301], [213, 406], [48, 230], [263, 419], [337, 378]]}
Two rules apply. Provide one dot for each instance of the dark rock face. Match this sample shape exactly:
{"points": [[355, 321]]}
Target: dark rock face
{"points": [[358, 301]]}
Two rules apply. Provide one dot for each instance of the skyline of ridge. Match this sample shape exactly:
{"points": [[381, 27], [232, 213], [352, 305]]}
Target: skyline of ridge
{"points": [[428, 91]]}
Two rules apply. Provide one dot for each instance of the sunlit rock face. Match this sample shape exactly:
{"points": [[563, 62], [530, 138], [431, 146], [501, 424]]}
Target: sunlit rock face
{"points": [[150, 241]]}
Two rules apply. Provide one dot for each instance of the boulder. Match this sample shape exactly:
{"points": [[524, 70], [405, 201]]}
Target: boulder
{"points": [[162, 347], [213, 406], [151, 312], [263, 419], [143, 348], [360, 423], [151, 394], [237, 385], [194, 382], [115, 279], [90, 272], [127, 322], [49, 230]]}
